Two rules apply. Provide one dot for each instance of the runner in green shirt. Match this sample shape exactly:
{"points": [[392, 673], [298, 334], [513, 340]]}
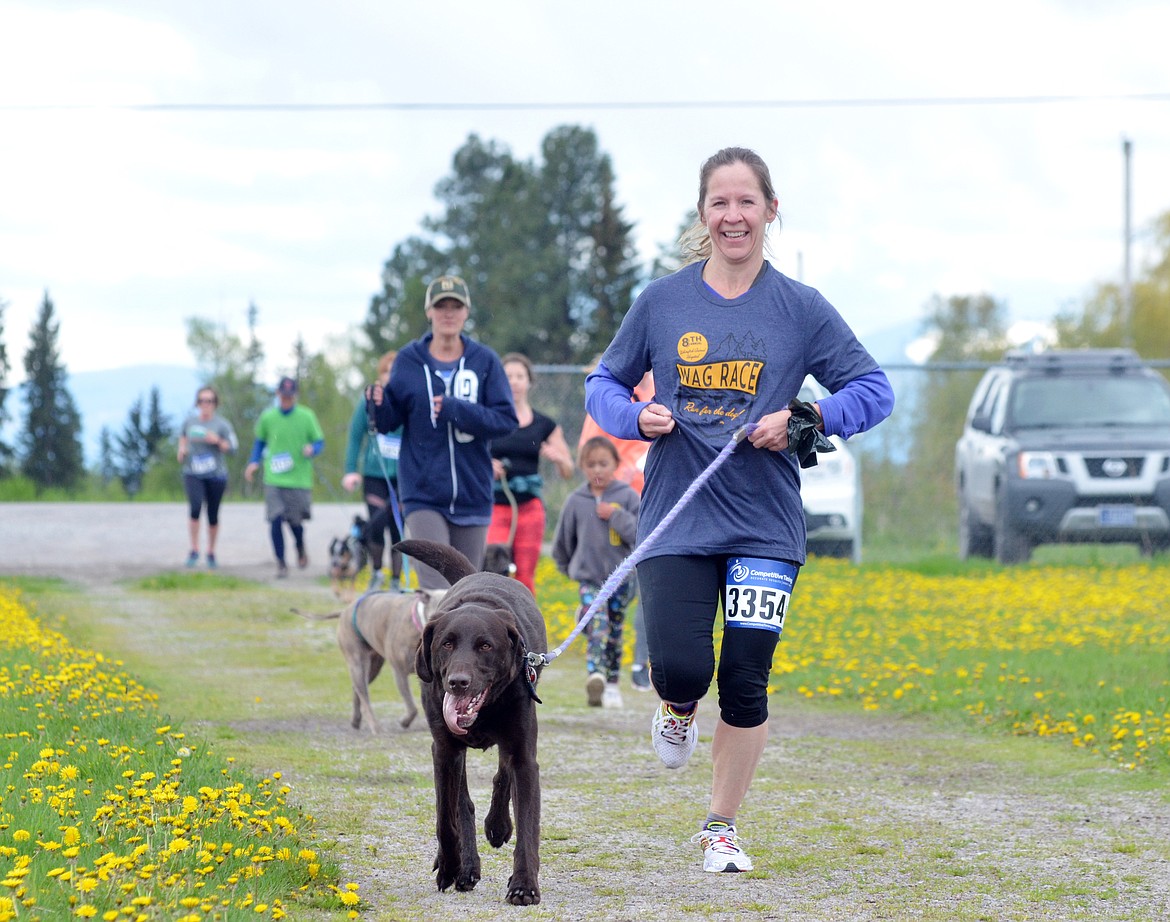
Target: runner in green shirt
{"points": [[288, 437]]}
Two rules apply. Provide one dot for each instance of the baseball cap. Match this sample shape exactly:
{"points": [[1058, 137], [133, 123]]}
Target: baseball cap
{"points": [[287, 386], [447, 286]]}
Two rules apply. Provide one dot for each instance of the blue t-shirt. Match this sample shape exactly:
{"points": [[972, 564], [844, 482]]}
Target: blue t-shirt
{"points": [[718, 364]]}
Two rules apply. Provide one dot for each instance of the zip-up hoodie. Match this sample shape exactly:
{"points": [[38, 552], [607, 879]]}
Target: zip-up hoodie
{"points": [[445, 463]]}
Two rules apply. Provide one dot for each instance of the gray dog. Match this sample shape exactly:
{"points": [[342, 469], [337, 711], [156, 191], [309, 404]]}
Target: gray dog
{"points": [[377, 628], [479, 691]]}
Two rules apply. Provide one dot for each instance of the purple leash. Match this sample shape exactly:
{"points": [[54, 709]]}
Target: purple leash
{"points": [[626, 567]]}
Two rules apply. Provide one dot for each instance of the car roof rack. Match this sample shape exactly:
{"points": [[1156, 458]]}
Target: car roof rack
{"points": [[1055, 361]]}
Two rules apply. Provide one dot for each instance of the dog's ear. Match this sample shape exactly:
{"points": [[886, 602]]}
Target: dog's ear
{"points": [[519, 650], [422, 659]]}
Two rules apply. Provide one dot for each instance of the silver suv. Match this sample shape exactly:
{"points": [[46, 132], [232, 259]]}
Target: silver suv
{"points": [[1064, 446]]}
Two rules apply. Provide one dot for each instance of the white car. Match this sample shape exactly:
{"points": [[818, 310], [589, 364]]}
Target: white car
{"points": [[831, 492]]}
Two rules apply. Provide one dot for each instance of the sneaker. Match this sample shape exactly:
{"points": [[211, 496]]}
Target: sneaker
{"points": [[376, 580], [640, 677], [395, 583], [674, 735], [721, 852], [281, 569], [612, 696], [193, 559], [594, 689], [211, 564], [302, 559]]}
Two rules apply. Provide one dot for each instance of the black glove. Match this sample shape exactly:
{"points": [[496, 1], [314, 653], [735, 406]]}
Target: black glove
{"points": [[804, 439]]}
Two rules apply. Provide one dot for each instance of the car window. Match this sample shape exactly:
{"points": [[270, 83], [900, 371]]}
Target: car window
{"points": [[997, 404], [981, 401], [1058, 402]]}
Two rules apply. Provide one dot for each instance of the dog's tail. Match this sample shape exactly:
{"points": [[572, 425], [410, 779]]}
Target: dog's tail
{"points": [[313, 616], [449, 562]]}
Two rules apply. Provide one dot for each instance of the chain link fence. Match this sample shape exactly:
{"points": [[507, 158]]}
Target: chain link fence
{"points": [[902, 513]]}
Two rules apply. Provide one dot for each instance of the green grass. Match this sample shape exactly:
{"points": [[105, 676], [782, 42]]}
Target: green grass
{"points": [[109, 806], [915, 810]]}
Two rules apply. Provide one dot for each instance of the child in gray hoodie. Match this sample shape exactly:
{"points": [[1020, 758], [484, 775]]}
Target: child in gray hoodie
{"points": [[596, 531]]}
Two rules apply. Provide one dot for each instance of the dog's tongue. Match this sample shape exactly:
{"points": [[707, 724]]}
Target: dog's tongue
{"points": [[459, 712]]}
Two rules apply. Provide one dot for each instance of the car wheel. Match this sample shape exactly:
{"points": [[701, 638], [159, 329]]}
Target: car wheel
{"points": [[1011, 544], [975, 540], [1151, 546]]}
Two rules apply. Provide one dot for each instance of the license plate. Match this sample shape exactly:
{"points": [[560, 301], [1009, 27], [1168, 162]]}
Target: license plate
{"points": [[1116, 517]]}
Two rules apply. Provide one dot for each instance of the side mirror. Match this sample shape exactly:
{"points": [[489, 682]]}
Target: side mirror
{"points": [[981, 422]]}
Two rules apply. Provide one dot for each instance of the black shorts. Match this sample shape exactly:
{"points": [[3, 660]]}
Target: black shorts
{"points": [[680, 598]]}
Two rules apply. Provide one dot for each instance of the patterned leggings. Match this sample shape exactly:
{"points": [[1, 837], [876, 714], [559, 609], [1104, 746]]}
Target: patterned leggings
{"points": [[604, 634]]}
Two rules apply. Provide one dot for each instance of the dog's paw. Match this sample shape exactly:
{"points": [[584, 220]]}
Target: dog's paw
{"points": [[523, 893], [463, 878], [497, 827], [467, 881], [406, 721]]}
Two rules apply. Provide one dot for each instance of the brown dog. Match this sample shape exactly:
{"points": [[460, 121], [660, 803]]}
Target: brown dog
{"points": [[479, 691], [377, 628]]}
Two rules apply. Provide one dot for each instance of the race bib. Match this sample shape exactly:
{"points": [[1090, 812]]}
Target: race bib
{"points": [[389, 446], [203, 464], [281, 463], [757, 593]]}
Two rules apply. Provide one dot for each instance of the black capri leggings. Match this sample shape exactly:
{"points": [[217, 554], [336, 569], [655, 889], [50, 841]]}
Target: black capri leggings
{"points": [[201, 490], [680, 597]]}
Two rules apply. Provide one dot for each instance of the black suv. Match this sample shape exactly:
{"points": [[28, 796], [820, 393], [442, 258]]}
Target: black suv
{"points": [[1064, 446]]}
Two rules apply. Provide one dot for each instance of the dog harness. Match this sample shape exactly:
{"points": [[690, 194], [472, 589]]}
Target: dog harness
{"points": [[418, 614]]}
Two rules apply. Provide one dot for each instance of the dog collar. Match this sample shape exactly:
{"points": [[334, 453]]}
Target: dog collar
{"points": [[531, 676]]}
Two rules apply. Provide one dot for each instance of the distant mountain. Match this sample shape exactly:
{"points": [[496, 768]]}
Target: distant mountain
{"points": [[104, 398]]}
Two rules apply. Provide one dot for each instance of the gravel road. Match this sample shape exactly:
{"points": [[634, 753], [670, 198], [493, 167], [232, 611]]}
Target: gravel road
{"points": [[101, 542]]}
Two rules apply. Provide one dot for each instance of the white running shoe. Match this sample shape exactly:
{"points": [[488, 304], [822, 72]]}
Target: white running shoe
{"points": [[376, 581], [674, 735], [612, 696], [721, 851], [595, 689]]}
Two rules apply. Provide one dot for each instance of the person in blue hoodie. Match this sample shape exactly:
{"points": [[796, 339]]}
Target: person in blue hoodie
{"points": [[450, 396]]}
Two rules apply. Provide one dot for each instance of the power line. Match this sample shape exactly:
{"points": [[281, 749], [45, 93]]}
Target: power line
{"points": [[596, 106]]}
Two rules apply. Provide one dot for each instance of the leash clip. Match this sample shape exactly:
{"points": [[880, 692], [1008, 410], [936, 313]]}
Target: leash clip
{"points": [[743, 432]]}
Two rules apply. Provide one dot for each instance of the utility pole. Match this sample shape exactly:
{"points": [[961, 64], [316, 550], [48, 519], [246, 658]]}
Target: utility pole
{"points": [[1126, 278]]}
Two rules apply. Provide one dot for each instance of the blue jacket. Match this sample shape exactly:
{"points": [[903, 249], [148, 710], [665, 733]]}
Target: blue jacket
{"points": [[445, 464]]}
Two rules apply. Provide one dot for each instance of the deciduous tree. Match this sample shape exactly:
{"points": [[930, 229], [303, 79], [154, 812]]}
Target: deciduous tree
{"points": [[1102, 322], [233, 367]]}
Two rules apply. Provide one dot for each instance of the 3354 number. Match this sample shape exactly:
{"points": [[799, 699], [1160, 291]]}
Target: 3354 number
{"points": [[752, 604]]}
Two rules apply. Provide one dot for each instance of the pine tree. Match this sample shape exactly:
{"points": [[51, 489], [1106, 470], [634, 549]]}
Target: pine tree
{"points": [[131, 451], [50, 443], [543, 246], [6, 452], [107, 467], [136, 447]]}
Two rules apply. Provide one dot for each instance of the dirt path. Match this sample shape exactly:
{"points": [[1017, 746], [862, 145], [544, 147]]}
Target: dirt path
{"points": [[102, 542], [854, 816]]}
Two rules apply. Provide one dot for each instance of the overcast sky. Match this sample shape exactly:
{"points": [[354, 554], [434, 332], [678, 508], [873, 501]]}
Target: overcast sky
{"points": [[135, 219]]}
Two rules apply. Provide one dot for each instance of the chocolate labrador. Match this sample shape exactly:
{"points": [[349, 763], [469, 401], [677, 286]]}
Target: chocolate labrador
{"points": [[478, 691]]}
